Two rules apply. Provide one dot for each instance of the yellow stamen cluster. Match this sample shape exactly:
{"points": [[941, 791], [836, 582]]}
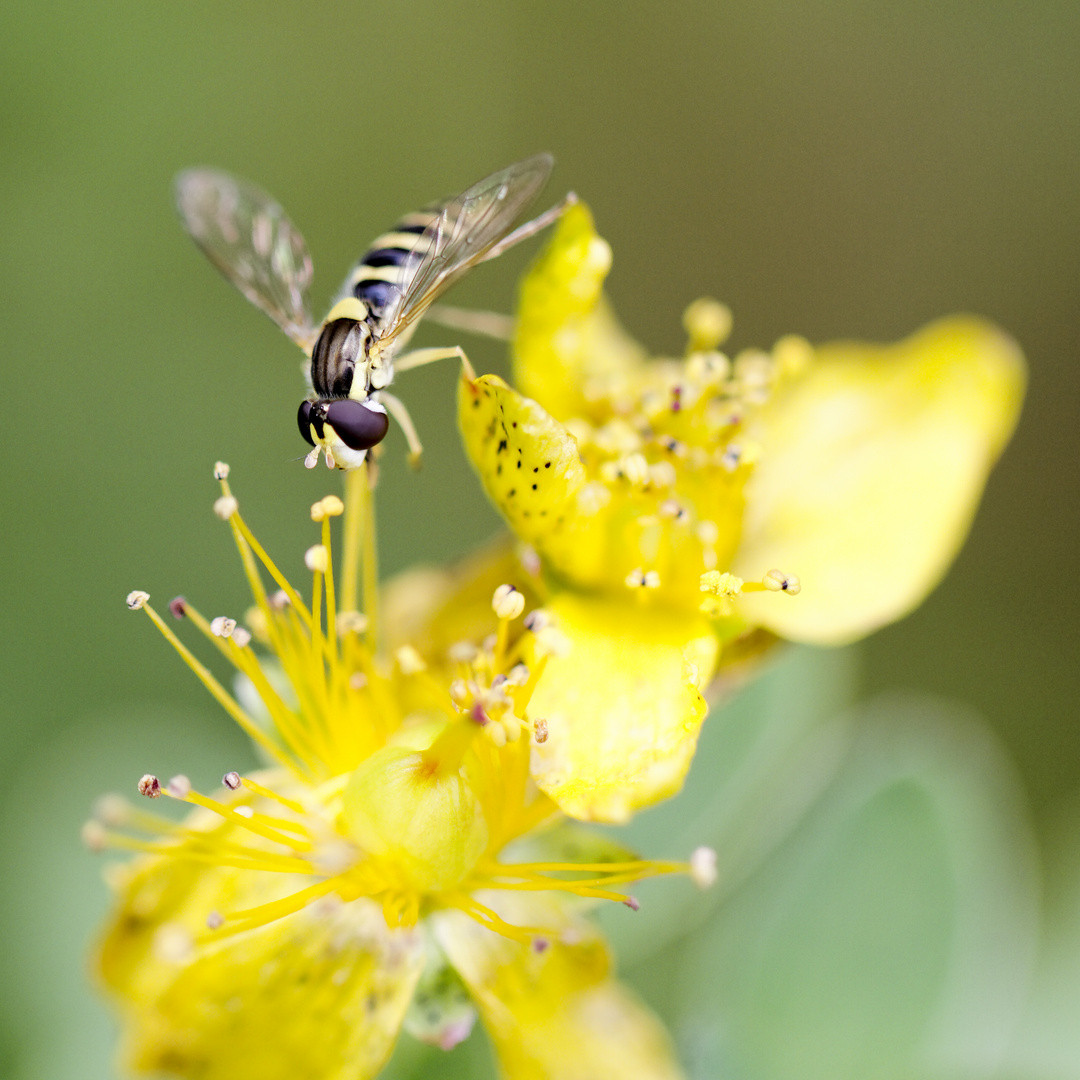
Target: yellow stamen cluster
{"points": [[398, 781]]}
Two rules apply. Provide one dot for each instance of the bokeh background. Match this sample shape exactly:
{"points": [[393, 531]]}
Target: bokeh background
{"points": [[835, 169]]}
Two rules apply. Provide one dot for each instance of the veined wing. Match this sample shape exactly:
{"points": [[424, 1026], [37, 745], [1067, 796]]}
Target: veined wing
{"points": [[462, 231], [248, 237]]}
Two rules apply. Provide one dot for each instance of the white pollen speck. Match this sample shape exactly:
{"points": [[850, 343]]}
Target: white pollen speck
{"points": [[225, 507], [136, 598]]}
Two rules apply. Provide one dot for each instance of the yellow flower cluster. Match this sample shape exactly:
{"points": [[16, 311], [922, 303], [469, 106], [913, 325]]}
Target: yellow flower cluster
{"points": [[408, 858]]}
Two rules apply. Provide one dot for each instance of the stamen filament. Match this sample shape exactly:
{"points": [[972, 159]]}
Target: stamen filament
{"points": [[223, 698], [266, 793], [250, 824]]}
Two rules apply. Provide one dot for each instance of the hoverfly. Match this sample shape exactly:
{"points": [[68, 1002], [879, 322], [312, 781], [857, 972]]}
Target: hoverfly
{"points": [[248, 237]]}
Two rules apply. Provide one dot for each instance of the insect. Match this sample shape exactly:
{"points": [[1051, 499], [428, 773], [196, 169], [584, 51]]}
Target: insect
{"points": [[248, 237]]}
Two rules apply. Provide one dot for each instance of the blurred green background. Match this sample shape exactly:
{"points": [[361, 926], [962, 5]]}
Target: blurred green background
{"points": [[835, 169]]}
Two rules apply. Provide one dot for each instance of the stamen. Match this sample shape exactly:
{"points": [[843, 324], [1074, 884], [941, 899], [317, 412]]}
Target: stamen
{"points": [[507, 602], [179, 787], [136, 599], [775, 581], [226, 506], [178, 607], [707, 323], [150, 786], [222, 627], [703, 867]]}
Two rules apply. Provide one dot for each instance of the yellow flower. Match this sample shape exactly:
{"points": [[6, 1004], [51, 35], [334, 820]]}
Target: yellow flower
{"points": [[672, 501], [393, 866]]}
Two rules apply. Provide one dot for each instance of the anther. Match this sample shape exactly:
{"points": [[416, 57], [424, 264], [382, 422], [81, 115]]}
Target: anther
{"points": [[409, 660], [507, 602], [462, 652], [460, 694], [245, 812], [792, 355], [673, 510], [178, 607], [317, 559], [179, 787], [215, 920], [241, 637], [231, 780], [551, 641], [136, 598], [150, 786], [540, 945], [112, 810], [540, 730], [731, 457], [222, 626], [357, 680], [333, 506], [703, 867], [518, 675], [225, 507], [643, 579], [351, 622], [537, 619], [280, 600], [632, 903], [221, 470], [707, 323], [94, 836], [717, 584], [778, 581]]}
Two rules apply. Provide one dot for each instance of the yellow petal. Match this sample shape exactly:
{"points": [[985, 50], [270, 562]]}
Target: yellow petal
{"points": [[528, 462], [623, 708], [565, 332], [317, 995], [872, 467], [556, 1014]]}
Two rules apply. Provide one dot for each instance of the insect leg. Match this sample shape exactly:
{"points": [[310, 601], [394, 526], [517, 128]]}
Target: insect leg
{"points": [[486, 323], [397, 409], [420, 357], [530, 228]]}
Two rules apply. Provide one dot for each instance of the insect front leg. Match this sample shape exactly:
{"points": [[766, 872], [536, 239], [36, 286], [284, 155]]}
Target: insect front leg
{"points": [[396, 407]]}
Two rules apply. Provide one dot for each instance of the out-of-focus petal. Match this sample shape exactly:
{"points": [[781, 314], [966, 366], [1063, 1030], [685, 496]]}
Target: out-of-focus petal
{"points": [[623, 707], [555, 1013], [873, 465], [317, 995], [566, 334]]}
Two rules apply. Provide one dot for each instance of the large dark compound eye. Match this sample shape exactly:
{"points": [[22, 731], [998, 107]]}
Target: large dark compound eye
{"points": [[303, 418], [358, 426]]}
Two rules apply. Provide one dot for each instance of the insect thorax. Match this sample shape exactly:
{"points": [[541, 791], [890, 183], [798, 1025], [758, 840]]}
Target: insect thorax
{"points": [[342, 346]]}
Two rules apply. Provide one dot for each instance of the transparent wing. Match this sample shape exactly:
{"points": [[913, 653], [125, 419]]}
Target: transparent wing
{"points": [[462, 231], [247, 236]]}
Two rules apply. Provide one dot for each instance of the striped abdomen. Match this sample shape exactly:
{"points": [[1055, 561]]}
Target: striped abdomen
{"points": [[383, 268]]}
